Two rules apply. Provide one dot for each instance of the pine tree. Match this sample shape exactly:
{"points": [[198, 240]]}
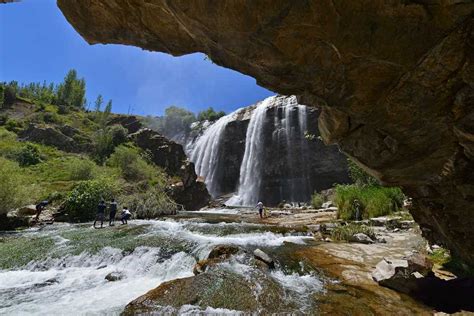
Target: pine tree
{"points": [[98, 103]]}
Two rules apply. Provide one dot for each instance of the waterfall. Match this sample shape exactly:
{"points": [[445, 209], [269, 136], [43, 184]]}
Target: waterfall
{"points": [[205, 153], [288, 135], [250, 169], [274, 164]]}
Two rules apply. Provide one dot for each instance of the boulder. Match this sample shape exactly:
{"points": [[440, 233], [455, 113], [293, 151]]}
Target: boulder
{"points": [[218, 288], [49, 136], [130, 122], [225, 251], [262, 256], [190, 192], [327, 204], [114, 276], [402, 275], [218, 254], [361, 238], [164, 153], [191, 198], [27, 210], [393, 79], [13, 221]]}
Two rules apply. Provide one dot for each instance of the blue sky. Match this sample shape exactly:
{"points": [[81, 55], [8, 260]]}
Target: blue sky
{"points": [[37, 44]]}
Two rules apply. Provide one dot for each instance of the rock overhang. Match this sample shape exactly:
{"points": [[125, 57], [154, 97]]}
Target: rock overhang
{"points": [[394, 79]]}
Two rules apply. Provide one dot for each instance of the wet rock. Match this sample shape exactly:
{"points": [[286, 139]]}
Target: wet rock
{"points": [[102, 267], [371, 67], [361, 238], [262, 256], [224, 251], [114, 276], [407, 224], [327, 204], [12, 221], [216, 288]]}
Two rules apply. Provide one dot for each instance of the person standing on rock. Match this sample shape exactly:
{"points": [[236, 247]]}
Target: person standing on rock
{"points": [[40, 207], [113, 212], [100, 213], [260, 209]]}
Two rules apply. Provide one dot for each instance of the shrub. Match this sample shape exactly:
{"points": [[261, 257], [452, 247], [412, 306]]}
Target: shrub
{"points": [[14, 126], [359, 176], [119, 134], [12, 191], [374, 200], [81, 203], [104, 146], [151, 203], [210, 115], [28, 155], [81, 169], [344, 233], [132, 166], [317, 200], [51, 118]]}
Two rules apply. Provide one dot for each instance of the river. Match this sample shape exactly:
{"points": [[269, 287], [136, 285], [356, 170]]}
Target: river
{"points": [[61, 268]]}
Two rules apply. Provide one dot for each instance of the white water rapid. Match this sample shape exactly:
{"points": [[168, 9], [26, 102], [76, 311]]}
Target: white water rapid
{"points": [[68, 276]]}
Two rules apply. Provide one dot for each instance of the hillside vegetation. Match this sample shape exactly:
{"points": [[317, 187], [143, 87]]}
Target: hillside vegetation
{"points": [[52, 148]]}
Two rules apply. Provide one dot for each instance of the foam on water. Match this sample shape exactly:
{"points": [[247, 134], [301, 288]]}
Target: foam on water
{"points": [[76, 283]]}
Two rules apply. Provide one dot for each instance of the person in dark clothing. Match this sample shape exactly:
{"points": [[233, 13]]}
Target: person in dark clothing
{"points": [[100, 213], [40, 207], [260, 209], [113, 212]]}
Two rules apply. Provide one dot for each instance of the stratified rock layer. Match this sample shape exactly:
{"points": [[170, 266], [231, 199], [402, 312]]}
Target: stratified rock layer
{"points": [[394, 79]]}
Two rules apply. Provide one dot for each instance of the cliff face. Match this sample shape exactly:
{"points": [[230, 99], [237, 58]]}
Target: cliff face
{"points": [[291, 166], [394, 79]]}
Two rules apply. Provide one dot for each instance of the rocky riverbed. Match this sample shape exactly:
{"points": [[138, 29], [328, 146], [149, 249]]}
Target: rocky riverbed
{"points": [[148, 266]]}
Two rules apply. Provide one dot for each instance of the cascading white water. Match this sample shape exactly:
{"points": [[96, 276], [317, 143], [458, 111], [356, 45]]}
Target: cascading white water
{"points": [[250, 182], [205, 153], [250, 169], [74, 283]]}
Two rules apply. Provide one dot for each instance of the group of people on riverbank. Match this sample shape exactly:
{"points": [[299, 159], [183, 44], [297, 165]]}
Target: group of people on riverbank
{"points": [[125, 215]]}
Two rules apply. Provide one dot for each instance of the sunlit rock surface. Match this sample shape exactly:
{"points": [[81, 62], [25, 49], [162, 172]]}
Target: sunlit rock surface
{"points": [[394, 79]]}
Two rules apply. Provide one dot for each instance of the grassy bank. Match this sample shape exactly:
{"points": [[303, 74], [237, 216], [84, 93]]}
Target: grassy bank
{"points": [[373, 201]]}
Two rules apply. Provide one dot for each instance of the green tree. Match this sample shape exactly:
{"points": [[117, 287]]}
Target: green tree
{"points": [[98, 103], [2, 93], [72, 90], [210, 115], [176, 120], [359, 176]]}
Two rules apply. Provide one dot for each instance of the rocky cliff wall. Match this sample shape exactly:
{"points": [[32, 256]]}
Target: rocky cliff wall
{"points": [[291, 166], [395, 79]]}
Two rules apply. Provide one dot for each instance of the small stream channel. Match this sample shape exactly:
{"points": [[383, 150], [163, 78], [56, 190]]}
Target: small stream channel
{"points": [[61, 268]]}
